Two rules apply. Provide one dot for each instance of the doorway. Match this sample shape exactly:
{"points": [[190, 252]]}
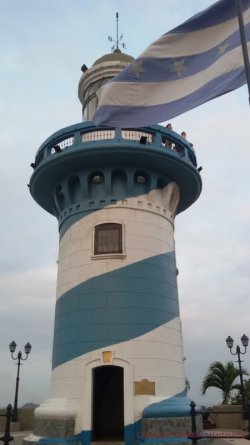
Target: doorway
{"points": [[108, 403]]}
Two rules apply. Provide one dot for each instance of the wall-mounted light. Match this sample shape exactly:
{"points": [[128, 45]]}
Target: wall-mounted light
{"points": [[143, 140], [96, 179], [140, 179]]}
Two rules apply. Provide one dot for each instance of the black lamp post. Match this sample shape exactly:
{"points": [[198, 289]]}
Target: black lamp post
{"points": [[19, 357], [238, 352]]}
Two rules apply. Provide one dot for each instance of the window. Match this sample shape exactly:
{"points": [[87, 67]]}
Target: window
{"points": [[108, 239]]}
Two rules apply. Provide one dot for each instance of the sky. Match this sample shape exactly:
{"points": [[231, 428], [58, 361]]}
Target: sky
{"points": [[43, 44]]}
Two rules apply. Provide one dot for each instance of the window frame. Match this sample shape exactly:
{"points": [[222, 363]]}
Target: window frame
{"points": [[97, 229]]}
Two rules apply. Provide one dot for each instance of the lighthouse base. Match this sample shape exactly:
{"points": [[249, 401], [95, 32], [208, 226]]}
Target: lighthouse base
{"points": [[165, 430], [54, 423], [169, 422], [165, 422], [62, 427]]}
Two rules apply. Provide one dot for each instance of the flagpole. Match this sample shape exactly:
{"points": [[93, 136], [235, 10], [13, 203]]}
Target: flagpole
{"points": [[244, 45]]}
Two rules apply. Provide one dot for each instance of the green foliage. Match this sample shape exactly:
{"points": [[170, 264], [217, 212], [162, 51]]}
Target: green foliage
{"points": [[222, 377], [237, 399]]}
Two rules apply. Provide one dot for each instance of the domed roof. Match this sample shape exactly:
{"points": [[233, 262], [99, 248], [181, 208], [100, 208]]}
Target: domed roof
{"points": [[117, 55]]}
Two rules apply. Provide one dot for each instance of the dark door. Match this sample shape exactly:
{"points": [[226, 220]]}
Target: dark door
{"points": [[108, 403]]}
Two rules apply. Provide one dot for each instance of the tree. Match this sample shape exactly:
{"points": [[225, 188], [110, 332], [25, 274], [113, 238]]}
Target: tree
{"points": [[222, 377], [237, 399]]}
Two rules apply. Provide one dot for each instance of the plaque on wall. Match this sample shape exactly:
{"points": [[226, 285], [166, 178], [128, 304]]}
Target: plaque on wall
{"points": [[144, 387]]}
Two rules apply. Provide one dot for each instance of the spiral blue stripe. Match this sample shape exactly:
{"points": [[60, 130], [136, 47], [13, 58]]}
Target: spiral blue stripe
{"points": [[115, 307]]}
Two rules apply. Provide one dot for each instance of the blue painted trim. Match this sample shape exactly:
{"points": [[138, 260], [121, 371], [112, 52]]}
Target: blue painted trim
{"points": [[163, 440], [115, 307], [80, 158], [72, 219], [86, 437], [77, 130], [132, 432], [177, 406], [73, 212], [56, 440]]}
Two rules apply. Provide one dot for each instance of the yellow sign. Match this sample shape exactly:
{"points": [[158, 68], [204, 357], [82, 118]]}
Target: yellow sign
{"points": [[144, 387]]}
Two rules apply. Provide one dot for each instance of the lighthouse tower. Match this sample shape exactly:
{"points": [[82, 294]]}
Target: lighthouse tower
{"points": [[117, 362]]}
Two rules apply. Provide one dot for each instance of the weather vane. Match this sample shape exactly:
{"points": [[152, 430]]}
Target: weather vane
{"points": [[118, 40]]}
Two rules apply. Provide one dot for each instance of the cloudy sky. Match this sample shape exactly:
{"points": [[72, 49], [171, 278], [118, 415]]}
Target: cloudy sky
{"points": [[43, 44]]}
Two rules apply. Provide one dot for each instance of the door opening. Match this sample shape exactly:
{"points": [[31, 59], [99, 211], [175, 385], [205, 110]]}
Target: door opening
{"points": [[108, 403]]}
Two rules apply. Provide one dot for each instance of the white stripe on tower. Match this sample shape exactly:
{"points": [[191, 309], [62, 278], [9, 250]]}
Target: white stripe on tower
{"points": [[156, 355]]}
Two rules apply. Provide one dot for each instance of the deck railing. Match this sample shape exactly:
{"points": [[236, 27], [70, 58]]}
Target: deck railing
{"points": [[76, 137]]}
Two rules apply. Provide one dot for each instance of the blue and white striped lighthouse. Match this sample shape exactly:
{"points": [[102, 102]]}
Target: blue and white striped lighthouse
{"points": [[118, 349]]}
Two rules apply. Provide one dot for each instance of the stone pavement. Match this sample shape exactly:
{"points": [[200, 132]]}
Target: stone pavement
{"points": [[234, 440], [18, 437]]}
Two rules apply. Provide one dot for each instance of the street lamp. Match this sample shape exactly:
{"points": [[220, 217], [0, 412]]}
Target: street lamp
{"points": [[238, 352], [19, 357]]}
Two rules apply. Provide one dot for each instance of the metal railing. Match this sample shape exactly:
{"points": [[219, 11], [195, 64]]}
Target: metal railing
{"points": [[6, 438], [194, 437]]}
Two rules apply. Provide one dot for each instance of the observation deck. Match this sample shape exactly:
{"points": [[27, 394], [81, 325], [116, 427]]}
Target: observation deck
{"points": [[73, 153]]}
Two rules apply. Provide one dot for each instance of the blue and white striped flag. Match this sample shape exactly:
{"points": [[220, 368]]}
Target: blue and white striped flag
{"points": [[190, 65]]}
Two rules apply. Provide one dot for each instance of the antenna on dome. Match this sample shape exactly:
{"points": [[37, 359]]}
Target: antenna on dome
{"points": [[118, 40]]}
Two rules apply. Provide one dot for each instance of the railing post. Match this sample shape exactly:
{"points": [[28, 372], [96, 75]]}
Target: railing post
{"points": [[193, 422], [248, 419], [6, 438], [118, 133]]}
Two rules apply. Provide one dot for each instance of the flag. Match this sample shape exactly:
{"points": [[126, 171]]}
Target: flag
{"points": [[186, 67]]}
